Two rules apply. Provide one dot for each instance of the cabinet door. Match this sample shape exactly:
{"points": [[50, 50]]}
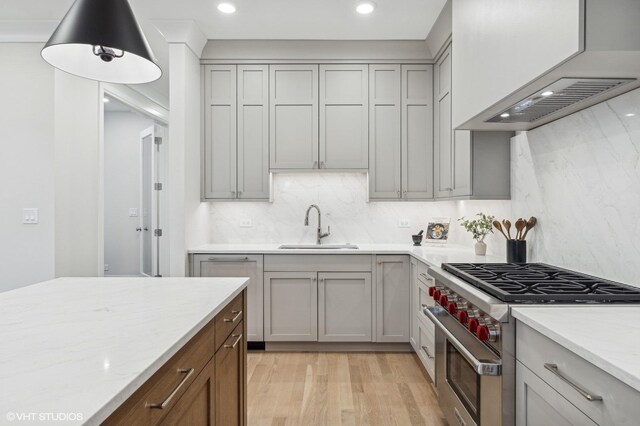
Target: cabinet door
{"points": [[538, 404], [197, 406], [344, 307], [253, 132], [344, 116], [291, 306], [384, 132], [392, 298], [417, 132], [238, 266], [293, 116], [220, 132], [442, 120], [415, 297], [230, 380]]}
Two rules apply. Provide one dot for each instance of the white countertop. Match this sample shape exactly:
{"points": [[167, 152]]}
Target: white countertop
{"points": [[606, 336], [434, 255], [84, 345]]}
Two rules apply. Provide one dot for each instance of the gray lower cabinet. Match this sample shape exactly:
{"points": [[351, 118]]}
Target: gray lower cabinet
{"points": [[392, 298], [413, 325], [293, 116], [227, 265], [344, 307], [290, 306], [236, 136]]}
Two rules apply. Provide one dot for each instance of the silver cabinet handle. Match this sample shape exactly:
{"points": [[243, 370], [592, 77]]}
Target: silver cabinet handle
{"points": [[404, 193], [322, 164], [399, 193], [587, 395], [187, 372], [426, 351], [234, 319], [315, 164], [228, 259], [239, 337], [139, 229], [426, 277], [447, 189]]}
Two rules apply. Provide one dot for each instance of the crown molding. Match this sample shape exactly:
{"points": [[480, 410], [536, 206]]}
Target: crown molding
{"points": [[187, 32]]}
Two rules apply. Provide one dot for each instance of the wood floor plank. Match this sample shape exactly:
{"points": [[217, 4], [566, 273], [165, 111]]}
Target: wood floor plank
{"points": [[339, 389]]}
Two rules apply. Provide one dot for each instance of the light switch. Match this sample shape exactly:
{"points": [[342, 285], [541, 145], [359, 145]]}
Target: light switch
{"points": [[403, 223], [246, 223], [133, 212], [30, 216]]}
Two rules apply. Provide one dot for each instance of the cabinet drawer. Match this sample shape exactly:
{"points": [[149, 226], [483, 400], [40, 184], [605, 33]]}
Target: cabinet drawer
{"points": [[168, 384], [426, 349], [317, 263], [574, 377], [228, 319]]}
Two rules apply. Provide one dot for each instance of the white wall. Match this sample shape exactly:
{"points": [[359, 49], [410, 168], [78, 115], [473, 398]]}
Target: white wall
{"points": [[122, 190], [342, 199], [580, 176], [26, 165]]}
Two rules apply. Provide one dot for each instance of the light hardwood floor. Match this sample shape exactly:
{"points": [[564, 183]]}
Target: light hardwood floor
{"points": [[339, 389]]}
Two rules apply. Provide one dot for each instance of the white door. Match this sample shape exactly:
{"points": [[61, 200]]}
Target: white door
{"points": [[151, 193]]}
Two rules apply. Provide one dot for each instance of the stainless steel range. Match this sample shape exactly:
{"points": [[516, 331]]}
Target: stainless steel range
{"points": [[475, 334]]}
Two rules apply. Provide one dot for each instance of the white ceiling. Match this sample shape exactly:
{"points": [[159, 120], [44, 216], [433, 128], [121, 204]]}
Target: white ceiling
{"points": [[269, 19]]}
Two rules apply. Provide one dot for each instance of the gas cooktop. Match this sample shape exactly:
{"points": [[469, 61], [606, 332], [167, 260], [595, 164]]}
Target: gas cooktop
{"points": [[541, 283]]}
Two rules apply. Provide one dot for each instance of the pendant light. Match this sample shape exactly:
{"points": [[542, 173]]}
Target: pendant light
{"points": [[101, 40]]}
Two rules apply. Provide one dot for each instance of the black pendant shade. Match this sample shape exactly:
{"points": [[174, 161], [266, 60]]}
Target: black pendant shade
{"points": [[101, 40]]}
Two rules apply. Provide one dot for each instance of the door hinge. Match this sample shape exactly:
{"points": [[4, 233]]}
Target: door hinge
{"points": [[157, 140], [157, 232], [157, 186]]}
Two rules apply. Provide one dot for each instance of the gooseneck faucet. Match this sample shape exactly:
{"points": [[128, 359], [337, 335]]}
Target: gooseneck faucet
{"points": [[319, 233]]}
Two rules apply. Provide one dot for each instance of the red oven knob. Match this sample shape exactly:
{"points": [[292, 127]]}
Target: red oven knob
{"points": [[443, 300], [463, 317], [452, 307], [483, 333], [436, 295], [431, 291], [473, 325]]}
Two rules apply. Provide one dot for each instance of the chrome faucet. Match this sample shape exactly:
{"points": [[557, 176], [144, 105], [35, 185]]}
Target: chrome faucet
{"points": [[319, 233]]}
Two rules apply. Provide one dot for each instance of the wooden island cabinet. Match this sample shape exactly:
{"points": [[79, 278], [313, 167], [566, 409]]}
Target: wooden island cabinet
{"points": [[204, 383]]}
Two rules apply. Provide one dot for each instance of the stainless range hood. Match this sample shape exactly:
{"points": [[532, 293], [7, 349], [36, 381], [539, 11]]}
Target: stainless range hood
{"points": [[606, 65]]}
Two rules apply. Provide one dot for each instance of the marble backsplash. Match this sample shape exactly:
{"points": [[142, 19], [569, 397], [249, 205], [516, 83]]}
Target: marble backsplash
{"points": [[580, 176], [342, 197]]}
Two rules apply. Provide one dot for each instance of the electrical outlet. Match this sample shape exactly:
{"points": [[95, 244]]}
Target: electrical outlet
{"points": [[106, 267], [403, 223], [133, 212], [246, 223], [30, 216]]}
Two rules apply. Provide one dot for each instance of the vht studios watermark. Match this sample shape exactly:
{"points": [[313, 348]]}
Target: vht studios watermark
{"points": [[43, 417]]}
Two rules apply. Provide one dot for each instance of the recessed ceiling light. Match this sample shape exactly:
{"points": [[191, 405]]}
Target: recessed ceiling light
{"points": [[365, 8], [105, 100], [505, 115], [226, 8], [547, 93], [631, 114]]}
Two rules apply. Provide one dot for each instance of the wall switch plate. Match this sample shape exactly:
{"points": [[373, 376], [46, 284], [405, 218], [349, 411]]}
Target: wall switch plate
{"points": [[30, 216], [246, 223], [403, 223], [133, 212]]}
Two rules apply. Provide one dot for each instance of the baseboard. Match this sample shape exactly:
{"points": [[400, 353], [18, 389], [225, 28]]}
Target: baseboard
{"points": [[336, 347], [255, 346]]}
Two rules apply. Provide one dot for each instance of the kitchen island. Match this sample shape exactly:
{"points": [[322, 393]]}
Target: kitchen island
{"points": [[78, 350]]}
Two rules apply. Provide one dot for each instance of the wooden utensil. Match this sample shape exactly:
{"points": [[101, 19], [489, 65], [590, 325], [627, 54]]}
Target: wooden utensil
{"points": [[507, 226], [530, 224], [520, 225], [497, 225]]}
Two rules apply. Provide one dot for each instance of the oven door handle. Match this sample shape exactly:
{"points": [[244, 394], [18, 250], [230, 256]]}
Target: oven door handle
{"points": [[482, 367]]}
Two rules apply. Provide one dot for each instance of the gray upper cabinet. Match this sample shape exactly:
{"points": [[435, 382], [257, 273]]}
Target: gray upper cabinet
{"points": [[384, 132], [443, 164], [344, 117], [220, 166], [253, 132], [293, 116], [236, 132], [393, 298], [417, 132]]}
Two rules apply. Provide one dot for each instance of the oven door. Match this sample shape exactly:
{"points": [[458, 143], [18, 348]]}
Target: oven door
{"points": [[469, 380]]}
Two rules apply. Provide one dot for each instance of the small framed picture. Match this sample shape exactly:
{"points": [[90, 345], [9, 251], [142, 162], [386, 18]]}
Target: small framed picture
{"points": [[438, 230]]}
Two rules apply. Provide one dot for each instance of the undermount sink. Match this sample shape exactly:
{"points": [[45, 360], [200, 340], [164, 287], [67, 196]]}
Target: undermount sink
{"points": [[318, 247]]}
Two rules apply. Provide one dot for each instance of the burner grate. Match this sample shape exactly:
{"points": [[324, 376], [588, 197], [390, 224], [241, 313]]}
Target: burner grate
{"points": [[539, 282]]}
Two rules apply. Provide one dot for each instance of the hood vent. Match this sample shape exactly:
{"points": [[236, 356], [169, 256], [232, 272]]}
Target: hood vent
{"points": [[561, 94]]}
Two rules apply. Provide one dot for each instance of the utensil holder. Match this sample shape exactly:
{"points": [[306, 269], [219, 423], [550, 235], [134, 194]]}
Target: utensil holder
{"points": [[516, 251]]}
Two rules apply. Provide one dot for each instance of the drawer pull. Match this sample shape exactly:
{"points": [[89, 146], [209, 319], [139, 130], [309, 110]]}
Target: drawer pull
{"points": [[239, 337], [228, 259], [425, 276], [554, 369], [234, 319], [426, 351], [187, 372]]}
